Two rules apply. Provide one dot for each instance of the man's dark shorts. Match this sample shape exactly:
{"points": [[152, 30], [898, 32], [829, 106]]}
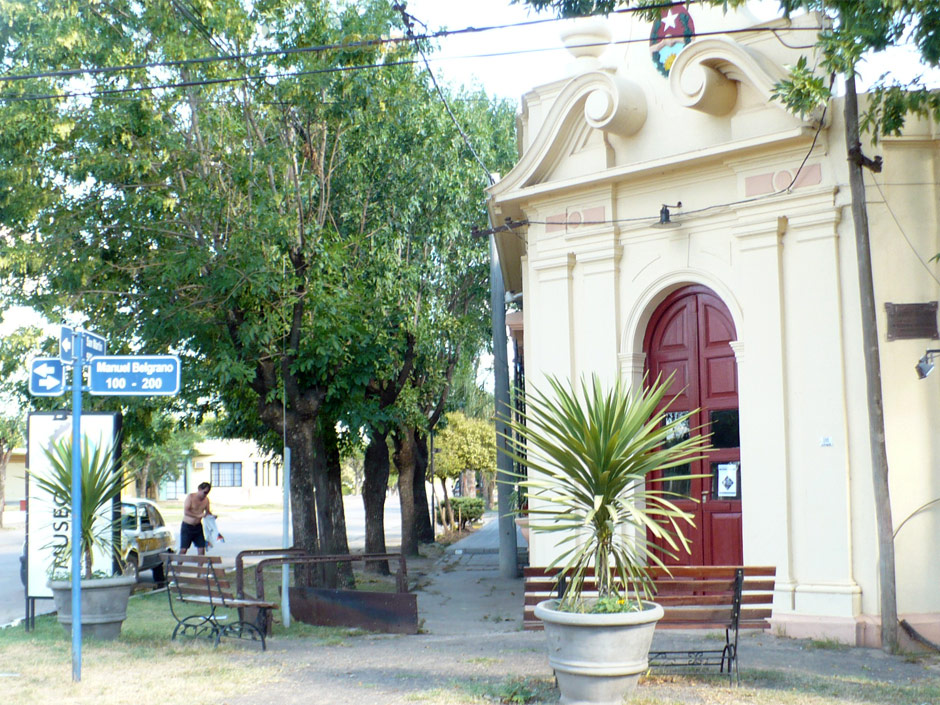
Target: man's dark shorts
{"points": [[191, 535]]}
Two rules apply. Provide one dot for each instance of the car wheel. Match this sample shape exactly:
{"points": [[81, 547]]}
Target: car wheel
{"points": [[159, 577], [131, 567]]}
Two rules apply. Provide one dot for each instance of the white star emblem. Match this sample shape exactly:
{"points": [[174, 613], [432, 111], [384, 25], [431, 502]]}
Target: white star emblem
{"points": [[670, 19]]}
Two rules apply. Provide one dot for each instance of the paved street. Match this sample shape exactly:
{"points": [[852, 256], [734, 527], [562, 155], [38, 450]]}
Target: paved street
{"points": [[242, 529]]}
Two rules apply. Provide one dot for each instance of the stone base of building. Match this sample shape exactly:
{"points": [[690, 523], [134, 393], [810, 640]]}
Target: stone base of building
{"points": [[863, 630]]}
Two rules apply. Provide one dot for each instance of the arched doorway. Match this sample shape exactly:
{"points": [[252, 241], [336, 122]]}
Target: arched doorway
{"points": [[689, 335]]}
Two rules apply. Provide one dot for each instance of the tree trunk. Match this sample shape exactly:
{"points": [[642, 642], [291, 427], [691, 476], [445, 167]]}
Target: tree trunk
{"points": [[374, 490], [447, 516], [876, 425], [424, 530], [468, 483], [330, 541], [404, 461], [303, 497], [339, 543], [488, 482]]}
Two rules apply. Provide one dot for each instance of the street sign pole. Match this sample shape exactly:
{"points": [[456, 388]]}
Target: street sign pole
{"points": [[77, 508]]}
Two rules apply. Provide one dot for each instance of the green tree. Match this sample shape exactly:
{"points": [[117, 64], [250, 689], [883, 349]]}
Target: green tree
{"points": [[468, 396], [278, 220], [854, 29], [467, 448], [158, 453]]}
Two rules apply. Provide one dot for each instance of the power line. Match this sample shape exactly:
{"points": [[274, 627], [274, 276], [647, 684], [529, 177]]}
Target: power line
{"points": [[64, 73], [407, 20], [900, 227], [337, 69], [321, 48], [715, 206]]}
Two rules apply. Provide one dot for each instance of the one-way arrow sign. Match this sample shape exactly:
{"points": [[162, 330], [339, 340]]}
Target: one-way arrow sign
{"points": [[46, 377], [94, 345]]}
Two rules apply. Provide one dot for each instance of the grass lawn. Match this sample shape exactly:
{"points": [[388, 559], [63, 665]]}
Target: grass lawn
{"points": [[143, 665]]}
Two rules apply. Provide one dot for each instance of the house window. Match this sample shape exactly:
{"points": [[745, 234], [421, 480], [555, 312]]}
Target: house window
{"points": [[226, 474]]}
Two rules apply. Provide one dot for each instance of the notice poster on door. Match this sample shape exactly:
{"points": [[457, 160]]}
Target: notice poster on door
{"points": [[727, 480]]}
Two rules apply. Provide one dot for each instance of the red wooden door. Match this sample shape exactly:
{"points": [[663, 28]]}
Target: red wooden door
{"points": [[688, 335]]}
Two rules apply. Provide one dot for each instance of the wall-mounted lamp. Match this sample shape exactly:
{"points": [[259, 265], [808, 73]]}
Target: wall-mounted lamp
{"points": [[924, 366], [664, 220]]}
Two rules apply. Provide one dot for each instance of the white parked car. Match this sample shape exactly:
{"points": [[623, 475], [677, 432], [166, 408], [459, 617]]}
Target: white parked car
{"points": [[144, 536]]}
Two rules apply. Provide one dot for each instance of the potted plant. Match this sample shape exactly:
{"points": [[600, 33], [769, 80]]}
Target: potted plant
{"points": [[104, 593], [596, 456]]}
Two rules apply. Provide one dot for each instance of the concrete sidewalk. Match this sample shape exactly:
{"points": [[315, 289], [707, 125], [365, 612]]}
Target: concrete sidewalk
{"points": [[472, 641]]}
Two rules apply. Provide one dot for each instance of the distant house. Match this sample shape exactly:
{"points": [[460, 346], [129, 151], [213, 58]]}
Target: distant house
{"points": [[241, 474], [678, 220]]}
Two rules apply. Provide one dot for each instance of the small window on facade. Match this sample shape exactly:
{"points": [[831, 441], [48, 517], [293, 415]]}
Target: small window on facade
{"points": [[226, 474]]}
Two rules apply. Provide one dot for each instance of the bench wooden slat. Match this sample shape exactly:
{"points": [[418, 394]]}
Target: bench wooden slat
{"points": [[697, 614], [669, 584], [201, 580], [749, 614], [677, 571], [221, 598], [195, 558]]}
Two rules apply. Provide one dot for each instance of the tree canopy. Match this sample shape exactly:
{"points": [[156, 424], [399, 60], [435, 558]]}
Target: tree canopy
{"points": [[293, 220], [465, 444]]}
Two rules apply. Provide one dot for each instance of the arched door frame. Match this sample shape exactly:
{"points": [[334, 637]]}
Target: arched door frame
{"points": [[632, 358]]}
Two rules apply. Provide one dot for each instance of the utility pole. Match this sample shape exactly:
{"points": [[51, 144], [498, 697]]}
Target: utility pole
{"points": [[876, 421], [508, 560]]}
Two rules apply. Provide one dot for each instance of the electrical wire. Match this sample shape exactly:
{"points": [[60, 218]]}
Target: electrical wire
{"points": [[787, 189], [188, 14], [897, 222], [407, 20], [332, 69]]}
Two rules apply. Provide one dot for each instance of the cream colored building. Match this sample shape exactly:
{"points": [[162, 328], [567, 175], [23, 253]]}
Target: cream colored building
{"points": [[15, 487], [240, 472], [750, 293], [241, 475]]}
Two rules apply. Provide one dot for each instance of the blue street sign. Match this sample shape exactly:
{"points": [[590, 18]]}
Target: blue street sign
{"points": [[134, 375], [94, 345], [46, 377]]}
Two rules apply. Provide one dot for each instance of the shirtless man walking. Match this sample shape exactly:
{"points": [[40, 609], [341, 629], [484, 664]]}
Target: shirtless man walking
{"points": [[195, 507]]}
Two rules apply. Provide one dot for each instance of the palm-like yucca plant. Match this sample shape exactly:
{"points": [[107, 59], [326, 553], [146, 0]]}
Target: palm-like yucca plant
{"points": [[595, 453], [100, 486]]}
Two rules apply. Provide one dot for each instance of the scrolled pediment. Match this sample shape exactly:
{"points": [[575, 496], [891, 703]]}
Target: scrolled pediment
{"points": [[706, 74], [604, 100]]}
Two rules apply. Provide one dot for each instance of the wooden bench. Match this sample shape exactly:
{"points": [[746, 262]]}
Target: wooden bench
{"points": [[693, 597], [200, 580]]}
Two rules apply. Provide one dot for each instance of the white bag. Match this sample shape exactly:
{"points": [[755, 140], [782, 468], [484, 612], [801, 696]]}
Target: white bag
{"points": [[211, 531]]}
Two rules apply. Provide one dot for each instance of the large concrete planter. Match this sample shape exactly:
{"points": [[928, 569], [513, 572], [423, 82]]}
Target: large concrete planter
{"points": [[104, 605], [597, 658]]}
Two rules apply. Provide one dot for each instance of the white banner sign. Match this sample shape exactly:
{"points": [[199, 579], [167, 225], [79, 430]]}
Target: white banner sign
{"points": [[48, 524]]}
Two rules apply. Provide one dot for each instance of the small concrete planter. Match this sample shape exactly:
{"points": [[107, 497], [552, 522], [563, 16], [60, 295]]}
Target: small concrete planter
{"points": [[104, 605], [597, 658]]}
